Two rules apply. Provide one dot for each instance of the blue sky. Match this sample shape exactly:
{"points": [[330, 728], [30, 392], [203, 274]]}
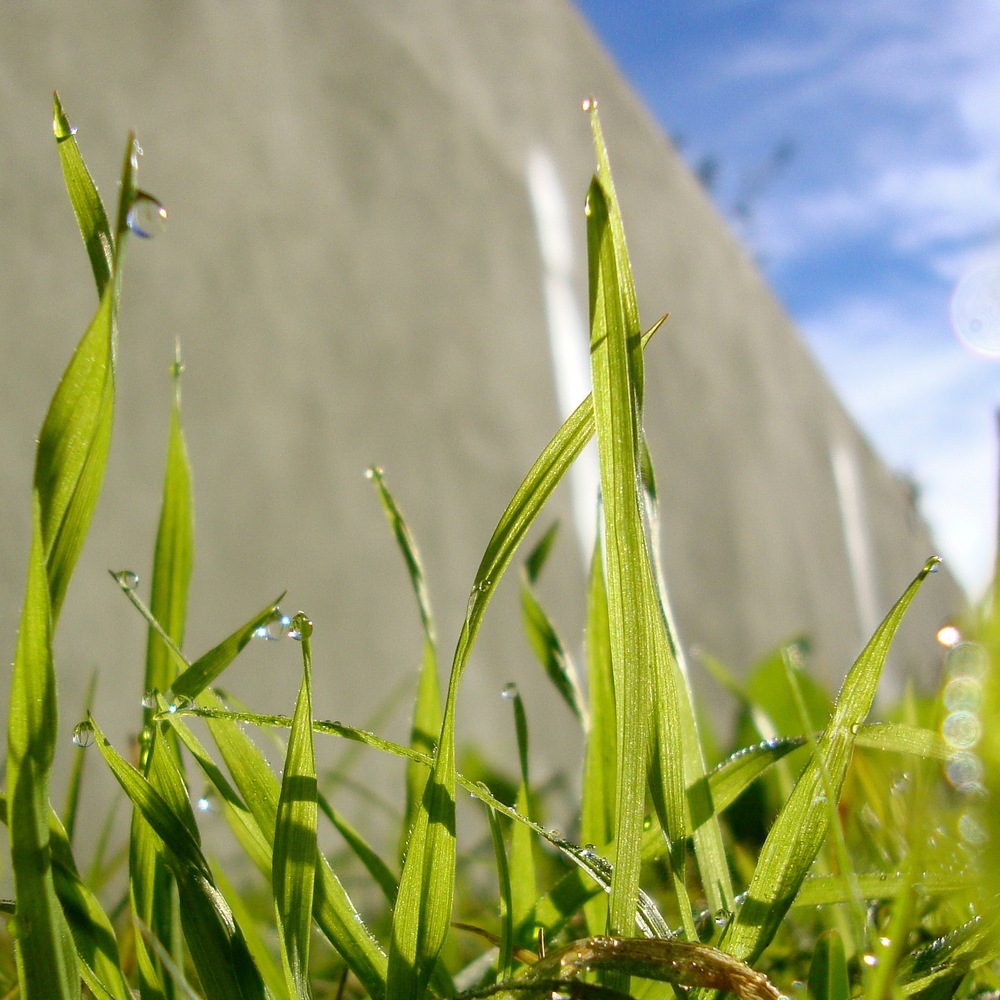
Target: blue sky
{"points": [[864, 136]]}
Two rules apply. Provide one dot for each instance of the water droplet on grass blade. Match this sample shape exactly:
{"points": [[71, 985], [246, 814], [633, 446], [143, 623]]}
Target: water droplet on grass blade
{"points": [[589, 103], [300, 627], [147, 217], [275, 628], [127, 579], [509, 691], [149, 699], [83, 734]]}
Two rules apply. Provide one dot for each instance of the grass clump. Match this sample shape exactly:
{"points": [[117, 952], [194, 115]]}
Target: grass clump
{"points": [[828, 884]]}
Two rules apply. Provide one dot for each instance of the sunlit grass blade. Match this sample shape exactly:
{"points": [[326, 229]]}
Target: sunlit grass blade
{"points": [[196, 678], [542, 634], [597, 809], [801, 827], [709, 848], [293, 868], [44, 950], [173, 556], [87, 205], [505, 943], [643, 674], [427, 706], [215, 942], [333, 910], [423, 908], [76, 433]]}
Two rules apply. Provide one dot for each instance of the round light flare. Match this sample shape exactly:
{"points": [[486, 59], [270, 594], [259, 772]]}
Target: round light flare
{"points": [[948, 636], [975, 310]]}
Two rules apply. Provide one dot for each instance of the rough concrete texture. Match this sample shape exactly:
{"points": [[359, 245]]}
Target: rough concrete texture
{"points": [[364, 259]]}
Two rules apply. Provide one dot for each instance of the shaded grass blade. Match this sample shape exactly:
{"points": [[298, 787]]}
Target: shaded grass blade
{"points": [[828, 971], [801, 827], [522, 888], [218, 950], [293, 866], [44, 950], [542, 634]]}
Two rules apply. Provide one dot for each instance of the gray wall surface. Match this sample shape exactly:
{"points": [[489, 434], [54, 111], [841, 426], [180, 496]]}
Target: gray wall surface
{"points": [[375, 233]]}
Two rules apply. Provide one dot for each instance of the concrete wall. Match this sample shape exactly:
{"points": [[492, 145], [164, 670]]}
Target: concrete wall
{"points": [[375, 233]]}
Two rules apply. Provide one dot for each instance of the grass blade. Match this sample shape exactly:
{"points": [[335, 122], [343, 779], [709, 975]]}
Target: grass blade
{"points": [[87, 205], [46, 957], [801, 827], [522, 883], [427, 707], [293, 868], [218, 950], [643, 673], [542, 634], [173, 556], [828, 971]]}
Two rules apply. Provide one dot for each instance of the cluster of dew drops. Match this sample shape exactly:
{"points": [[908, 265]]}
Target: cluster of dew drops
{"points": [[278, 626]]}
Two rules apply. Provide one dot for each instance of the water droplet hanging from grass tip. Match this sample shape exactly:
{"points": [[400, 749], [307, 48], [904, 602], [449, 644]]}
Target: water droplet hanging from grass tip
{"points": [[127, 579], [83, 734], [589, 103], [509, 691], [301, 627], [146, 217]]}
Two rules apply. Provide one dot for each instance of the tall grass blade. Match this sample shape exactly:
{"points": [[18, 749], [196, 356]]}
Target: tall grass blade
{"points": [[523, 885], [643, 673], [505, 956], [293, 868], [801, 827], [173, 556], [423, 908], [828, 971], [44, 950]]}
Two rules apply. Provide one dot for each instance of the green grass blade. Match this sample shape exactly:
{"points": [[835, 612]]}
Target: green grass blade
{"points": [[215, 942], [173, 556], [828, 970], [75, 437], [423, 908], [46, 957], [801, 827], [196, 678], [505, 956], [522, 882], [542, 634], [639, 650], [334, 913], [71, 808], [427, 718], [87, 205], [597, 810], [293, 867], [709, 848]]}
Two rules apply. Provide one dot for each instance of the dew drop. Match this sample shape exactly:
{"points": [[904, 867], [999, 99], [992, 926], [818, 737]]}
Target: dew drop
{"points": [[589, 852], [147, 217], [869, 959], [301, 627], [275, 628], [149, 699], [484, 585], [83, 734], [555, 834], [935, 566], [180, 703], [204, 804], [589, 103], [509, 691], [127, 579]]}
